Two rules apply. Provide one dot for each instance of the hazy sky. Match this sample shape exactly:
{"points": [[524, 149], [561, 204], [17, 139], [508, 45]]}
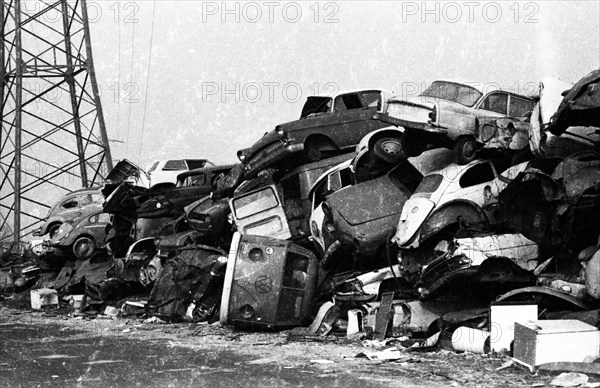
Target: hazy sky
{"points": [[204, 79]]}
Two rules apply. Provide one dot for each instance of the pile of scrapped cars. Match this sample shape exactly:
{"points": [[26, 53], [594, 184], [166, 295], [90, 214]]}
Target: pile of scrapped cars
{"points": [[371, 215]]}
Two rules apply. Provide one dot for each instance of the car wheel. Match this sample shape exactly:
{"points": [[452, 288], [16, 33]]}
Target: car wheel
{"points": [[412, 144], [84, 247], [53, 229], [465, 149], [313, 153], [389, 150]]}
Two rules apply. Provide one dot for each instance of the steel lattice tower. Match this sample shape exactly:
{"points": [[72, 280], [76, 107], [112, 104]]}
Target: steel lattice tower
{"points": [[53, 137]]}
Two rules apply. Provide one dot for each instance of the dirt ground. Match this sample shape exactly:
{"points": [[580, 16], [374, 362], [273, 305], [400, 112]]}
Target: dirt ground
{"points": [[53, 348]]}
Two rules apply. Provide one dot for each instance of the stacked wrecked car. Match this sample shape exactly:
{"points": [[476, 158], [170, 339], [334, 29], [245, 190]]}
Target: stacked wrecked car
{"points": [[370, 215]]}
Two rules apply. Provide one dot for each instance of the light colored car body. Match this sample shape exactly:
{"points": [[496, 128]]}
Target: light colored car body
{"points": [[447, 112], [474, 184], [457, 113], [84, 236], [69, 208]]}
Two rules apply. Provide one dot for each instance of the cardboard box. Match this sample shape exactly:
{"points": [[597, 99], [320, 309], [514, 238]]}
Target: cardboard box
{"points": [[566, 340], [43, 297], [502, 326]]}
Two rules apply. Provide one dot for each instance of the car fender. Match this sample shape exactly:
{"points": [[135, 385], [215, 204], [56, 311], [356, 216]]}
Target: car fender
{"points": [[448, 214]]}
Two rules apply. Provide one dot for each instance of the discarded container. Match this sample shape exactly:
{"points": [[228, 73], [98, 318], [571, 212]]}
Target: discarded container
{"points": [[467, 339], [111, 311], [133, 308], [503, 317], [565, 340], [355, 322], [43, 297], [269, 283], [76, 301]]}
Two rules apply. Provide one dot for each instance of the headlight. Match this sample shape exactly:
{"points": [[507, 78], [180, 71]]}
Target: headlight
{"points": [[256, 254], [280, 132], [314, 229], [241, 156]]}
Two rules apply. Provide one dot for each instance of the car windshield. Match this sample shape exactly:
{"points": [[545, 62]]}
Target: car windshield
{"points": [[254, 203], [316, 104], [429, 184], [463, 94]]}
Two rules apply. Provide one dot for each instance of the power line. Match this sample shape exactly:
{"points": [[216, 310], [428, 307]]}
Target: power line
{"points": [[147, 77], [130, 80]]}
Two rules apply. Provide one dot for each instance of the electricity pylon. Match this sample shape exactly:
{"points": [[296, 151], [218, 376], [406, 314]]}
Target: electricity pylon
{"points": [[53, 137]]}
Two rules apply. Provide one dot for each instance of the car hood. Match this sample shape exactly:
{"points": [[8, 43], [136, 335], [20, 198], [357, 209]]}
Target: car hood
{"points": [[416, 101], [268, 138], [415, 212], [368, 201]]}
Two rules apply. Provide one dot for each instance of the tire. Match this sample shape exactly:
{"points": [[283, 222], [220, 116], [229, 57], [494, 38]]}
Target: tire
{"points": [[465, 149], [84, 247], [313, 153], [389, 150], [412, 144]]}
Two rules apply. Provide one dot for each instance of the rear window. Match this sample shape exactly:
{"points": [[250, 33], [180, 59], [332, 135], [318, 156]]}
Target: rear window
{"points": [[194, 164], [520, 107], [429, 184], [348, 101], [372, 99], [175, 165], [316, 105], [477, 174], [254, 203]]}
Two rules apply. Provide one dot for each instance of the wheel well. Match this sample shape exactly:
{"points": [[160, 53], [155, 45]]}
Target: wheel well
{"points": [[380, 135], [52, 225], [324, 142], [448, 215]]}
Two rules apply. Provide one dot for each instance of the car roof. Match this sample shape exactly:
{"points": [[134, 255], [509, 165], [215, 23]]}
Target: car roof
{"points": [[454, 170], [198, 171], [347, 91], [466, 82], [90, 190]]}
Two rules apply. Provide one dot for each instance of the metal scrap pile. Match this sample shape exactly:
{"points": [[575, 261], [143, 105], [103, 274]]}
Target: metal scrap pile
{"points": [[371, 216]]}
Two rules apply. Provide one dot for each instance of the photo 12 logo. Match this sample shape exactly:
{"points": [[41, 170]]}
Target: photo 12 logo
{"points": [[469, 11], [268, 91], [269, 11]]}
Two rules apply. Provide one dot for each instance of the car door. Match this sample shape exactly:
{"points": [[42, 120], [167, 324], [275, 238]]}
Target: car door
{"points": [[96, 227], [351, 119], [493, 104], [260, 212]]}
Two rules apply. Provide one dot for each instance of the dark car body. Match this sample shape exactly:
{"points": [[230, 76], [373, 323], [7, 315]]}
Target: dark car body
{"points": [[360, 218], [340, 126], [69, 208], [556, 210], [580, 106], [191, 186]]}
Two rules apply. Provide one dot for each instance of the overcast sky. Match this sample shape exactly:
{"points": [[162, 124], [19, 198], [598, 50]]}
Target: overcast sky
{"points": [[204, 79]]}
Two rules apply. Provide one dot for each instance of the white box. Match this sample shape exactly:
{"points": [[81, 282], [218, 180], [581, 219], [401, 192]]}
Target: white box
{"points": [[43, 297], [565, 340], [502, 322]]}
